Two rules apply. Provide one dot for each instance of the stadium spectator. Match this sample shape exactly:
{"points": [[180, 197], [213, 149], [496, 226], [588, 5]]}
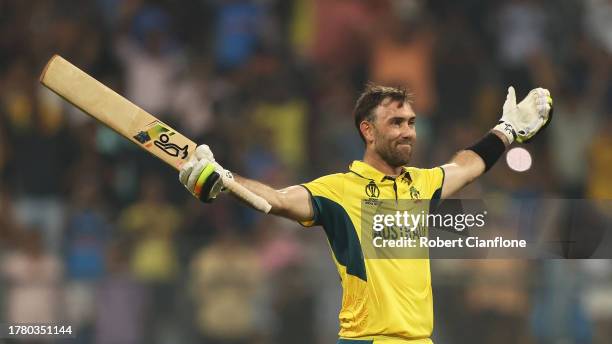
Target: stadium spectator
{"points": [[600, 156], [121, 301], [34, 278], [224, 281], [87, 232], [150, 224]]}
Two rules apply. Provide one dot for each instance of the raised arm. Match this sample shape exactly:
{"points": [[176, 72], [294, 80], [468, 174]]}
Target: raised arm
{"points": [[466, 166], [201, 177], [520, 123], [292, 202]]}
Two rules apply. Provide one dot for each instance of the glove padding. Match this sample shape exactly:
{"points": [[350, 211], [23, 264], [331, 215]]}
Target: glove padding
{"points": [[201, 175], [523, 121]]}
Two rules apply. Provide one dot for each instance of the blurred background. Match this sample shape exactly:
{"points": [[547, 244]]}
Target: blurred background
{"points": [[97, 234]]}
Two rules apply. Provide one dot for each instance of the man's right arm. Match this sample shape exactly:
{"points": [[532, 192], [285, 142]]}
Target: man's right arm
{"points": [[201, 176], [292, 202]]}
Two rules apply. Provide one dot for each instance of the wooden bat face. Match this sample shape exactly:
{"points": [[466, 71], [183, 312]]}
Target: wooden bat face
{"points": [[128, 120], [116, 112]]}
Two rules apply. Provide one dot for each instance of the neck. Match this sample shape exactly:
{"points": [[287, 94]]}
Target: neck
{"points": [[373, 159]]}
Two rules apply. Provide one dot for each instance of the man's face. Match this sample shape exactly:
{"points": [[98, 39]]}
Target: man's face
{"points": [[393, 132]]}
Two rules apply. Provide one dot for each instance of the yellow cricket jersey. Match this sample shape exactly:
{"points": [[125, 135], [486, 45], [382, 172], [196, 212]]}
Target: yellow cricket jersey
{"points": [[385, 300]]}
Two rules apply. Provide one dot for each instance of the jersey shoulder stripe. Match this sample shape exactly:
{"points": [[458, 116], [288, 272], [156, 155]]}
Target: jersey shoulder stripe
{"points": [[342, 236], [327, 203]]}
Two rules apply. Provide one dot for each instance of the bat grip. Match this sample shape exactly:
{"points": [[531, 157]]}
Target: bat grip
{"points": [[247, 195]]}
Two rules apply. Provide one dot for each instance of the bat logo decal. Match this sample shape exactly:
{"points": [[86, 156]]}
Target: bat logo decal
{"points": [[142, 137], [160, 134], [169, 147]]}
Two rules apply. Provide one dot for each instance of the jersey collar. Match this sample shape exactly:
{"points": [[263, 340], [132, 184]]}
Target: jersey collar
{"points": [[364, 170]]}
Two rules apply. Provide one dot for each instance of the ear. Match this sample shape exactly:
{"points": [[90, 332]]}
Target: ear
{"points": [[367, 130]]}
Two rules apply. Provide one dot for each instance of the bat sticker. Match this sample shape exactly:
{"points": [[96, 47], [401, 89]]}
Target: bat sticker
{"points": [[143, 137], [160, 135], [170, 148]]}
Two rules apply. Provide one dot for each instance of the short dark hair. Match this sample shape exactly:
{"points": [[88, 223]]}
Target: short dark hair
{"points": [[371, 97]]}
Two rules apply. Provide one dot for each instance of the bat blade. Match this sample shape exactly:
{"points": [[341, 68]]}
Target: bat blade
{"points": [[116, 112], [128, 120]]}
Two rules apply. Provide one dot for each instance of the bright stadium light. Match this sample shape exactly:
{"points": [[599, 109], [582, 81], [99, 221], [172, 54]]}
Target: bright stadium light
{"points": [[518, 159]]}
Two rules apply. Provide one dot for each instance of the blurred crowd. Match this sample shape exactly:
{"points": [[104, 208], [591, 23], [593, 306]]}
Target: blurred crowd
{"points": [[96, 234]]}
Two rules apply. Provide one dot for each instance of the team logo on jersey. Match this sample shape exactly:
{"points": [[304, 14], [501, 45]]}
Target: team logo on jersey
{"points": [[372, 190], [160, 135], [414, 193]]}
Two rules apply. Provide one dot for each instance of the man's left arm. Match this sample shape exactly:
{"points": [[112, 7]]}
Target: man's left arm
{"points": [[520, 123]]}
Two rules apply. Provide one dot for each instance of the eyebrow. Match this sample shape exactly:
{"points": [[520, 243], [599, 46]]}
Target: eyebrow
{"points": [[393, 118]]}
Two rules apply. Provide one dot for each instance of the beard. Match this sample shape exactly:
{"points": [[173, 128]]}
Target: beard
{"points": [[395, 155]]}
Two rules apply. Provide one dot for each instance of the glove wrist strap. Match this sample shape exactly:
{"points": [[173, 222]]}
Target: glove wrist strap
{"points": [[507, 129]]}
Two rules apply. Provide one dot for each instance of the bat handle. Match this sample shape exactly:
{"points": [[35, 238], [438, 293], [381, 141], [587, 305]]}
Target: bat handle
{"points": [[247, 195]]}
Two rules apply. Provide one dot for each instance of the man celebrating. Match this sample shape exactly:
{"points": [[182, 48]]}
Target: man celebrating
{"points": [[384, 300]]}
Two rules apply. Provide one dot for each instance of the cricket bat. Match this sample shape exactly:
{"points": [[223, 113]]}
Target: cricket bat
{"points": [[128, 120]]}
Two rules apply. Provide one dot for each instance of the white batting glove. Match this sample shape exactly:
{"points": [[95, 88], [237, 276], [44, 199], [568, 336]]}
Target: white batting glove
{"points": [[201, 175], [523, 121]]}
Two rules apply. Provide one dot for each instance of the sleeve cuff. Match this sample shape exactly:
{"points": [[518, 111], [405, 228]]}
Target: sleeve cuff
{"points": [[315, 210]]}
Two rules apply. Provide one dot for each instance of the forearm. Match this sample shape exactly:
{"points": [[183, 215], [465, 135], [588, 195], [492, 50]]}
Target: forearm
{"points": [[264, 191], [480, 157], [292, 202], [204, 178], [472, 162]]}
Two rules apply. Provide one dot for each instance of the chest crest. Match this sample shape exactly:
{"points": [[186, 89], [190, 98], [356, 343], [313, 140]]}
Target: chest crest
{"points": [[414, 193]]}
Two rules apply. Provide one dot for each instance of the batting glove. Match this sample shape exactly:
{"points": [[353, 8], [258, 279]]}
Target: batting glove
{"points": [[202, 175], [523, 121]]}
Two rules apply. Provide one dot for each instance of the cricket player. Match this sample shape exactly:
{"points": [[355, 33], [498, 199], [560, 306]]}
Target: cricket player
{"points": [[384, 300]]}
